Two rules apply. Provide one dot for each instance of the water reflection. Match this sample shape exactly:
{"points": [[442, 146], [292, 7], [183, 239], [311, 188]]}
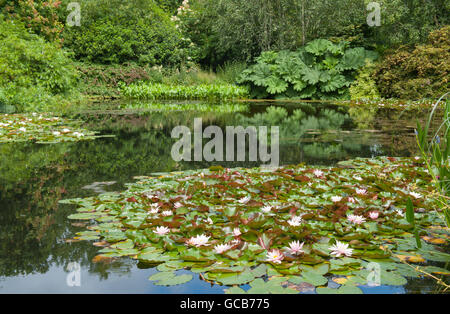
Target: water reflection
{"points": [[33, 227]]}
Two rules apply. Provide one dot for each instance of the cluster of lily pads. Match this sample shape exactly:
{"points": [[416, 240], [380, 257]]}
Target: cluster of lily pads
{"points": [[279, 230], [41, 128]]}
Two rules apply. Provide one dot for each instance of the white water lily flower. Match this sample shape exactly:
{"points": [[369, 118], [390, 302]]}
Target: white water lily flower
{"points": [[221, 248], [209, 221], [318, 173], [275, 256], [340, 249], [56, 133], [295, 221], [167, 213], [374, 215], [162, 231], [236, 232], [245, 200], [416, 195], [336, 199], [295, 248], [200, 240], [266, 209], [400, 212], [22, 129], [66, 130], [352, 200], [361, 191], [358, 178]]}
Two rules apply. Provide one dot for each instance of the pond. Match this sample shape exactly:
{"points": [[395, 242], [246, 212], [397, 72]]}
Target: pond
{"points": [[36, 253]]}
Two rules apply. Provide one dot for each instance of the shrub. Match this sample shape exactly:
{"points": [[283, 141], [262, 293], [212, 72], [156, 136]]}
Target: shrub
{"points": [[420, 73], [32, 70], [40, 16], [320, 70], [364, 87], [131, 31]]}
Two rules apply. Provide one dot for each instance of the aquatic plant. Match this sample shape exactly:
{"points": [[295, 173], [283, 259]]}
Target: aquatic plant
{"points": [[436, 153], [147, 90], [41, 128], [219, 230]]}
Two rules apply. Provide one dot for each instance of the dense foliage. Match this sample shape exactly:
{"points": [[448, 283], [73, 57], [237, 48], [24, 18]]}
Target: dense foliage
{"points": [[320, 69], [418, 73], [117, 32], [32, 71]]}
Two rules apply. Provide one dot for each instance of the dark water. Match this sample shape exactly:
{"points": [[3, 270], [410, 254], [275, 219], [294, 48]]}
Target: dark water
{"points": [[34, 256]]}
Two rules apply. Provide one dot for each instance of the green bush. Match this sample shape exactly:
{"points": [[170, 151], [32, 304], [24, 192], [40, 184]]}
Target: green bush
{"points": [[126, 31], [319, 70], [423, 72], [32, 71], [364, 87]]}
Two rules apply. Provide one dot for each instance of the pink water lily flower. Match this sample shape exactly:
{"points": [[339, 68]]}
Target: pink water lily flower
{"points": [[162, 231], [374, 215], [296, 248], [275, 256]]}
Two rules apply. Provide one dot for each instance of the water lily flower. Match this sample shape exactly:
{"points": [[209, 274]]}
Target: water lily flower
{"points": [[358, 178], [361, 191], [295, 221], [318, 173], [66, 131], [351, 218], [356, 219], [340, 249], [167, 213], [236, 232], [416, 195], [22, 129], [295, 248], [266, 209], [275, 256], [177, 205], [400, 212], [200, 240], [209, 220], [336, 199], [245, 200], [162, 231], [221, 248], [352, 200], [56, 133], [78, 134], [374, 215]]}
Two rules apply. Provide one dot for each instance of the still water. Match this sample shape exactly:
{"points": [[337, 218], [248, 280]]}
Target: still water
{"points": [[34, 254]]}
